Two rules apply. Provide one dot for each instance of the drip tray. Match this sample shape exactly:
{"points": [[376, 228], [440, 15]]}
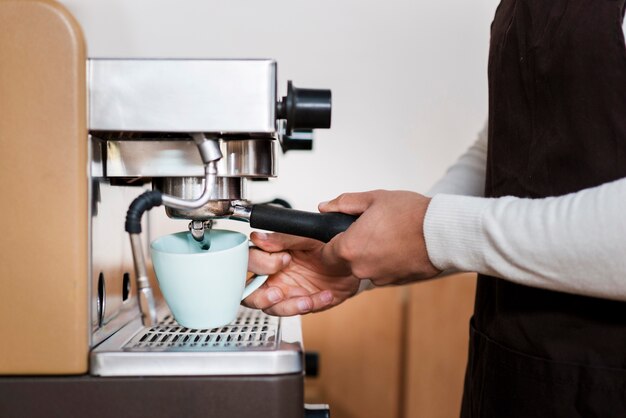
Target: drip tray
{"points": [[253, 344], [253, 330]]}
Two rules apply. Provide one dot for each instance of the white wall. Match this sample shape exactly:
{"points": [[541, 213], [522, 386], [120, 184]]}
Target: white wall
{"points": [[408, 77]]}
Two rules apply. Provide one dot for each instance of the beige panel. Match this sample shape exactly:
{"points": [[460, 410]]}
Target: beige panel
{"points": [[438, 332], [361, 349], [43, 189]]}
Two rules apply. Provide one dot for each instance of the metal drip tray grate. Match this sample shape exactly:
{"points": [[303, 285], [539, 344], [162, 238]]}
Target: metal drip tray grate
{"points": [[254, 344], [251, 330]]}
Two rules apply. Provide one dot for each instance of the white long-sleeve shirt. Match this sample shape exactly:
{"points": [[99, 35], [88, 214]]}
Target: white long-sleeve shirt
{"points": [[574, 243]]}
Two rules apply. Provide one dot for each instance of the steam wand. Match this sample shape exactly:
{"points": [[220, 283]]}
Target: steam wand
{"points": [[210, 154]]}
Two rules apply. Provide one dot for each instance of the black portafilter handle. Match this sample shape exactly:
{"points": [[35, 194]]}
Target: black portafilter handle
{"points": [[319, 226]]}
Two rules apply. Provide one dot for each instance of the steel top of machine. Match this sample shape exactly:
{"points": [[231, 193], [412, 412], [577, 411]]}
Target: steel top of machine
{"points": [[182, 95]]}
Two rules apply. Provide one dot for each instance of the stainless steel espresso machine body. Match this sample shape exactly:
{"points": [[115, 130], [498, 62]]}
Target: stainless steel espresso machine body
{"points": [[197, 129], [94, 341]]}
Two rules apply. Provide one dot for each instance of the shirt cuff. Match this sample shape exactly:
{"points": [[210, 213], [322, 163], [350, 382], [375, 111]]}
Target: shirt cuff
{"points": [[454, 233]]}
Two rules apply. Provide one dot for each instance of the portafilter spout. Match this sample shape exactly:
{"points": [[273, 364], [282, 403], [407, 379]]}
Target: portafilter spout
{"points": [[196, 229]]}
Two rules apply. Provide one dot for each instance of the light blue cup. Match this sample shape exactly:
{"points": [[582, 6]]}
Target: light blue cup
{"points": [[203, 288]]}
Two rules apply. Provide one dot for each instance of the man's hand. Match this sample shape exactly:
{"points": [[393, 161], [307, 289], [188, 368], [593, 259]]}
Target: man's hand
{"points": [[385, 244], [300, 281]]}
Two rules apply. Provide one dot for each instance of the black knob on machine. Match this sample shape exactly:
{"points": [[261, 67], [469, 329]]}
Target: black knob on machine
{"points": [[316, 411], [305, 108]]}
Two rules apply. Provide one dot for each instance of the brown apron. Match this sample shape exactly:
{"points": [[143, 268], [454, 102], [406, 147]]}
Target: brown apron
{"points": [[557, 124]]}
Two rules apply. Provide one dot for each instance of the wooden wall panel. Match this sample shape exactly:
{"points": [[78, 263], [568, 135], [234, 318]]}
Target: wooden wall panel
{"points": [[394, 352], [438, 333], [360, 344]]}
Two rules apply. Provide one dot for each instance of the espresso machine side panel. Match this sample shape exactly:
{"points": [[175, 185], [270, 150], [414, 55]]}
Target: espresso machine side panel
{"points": [[44, 191]]}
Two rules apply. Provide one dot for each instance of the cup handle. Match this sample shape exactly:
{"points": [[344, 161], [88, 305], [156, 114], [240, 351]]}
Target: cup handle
{"points": [[254, 285]]}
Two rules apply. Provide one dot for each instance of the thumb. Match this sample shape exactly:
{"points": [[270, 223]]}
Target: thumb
{"points": [[335, 256], [350, 203]]}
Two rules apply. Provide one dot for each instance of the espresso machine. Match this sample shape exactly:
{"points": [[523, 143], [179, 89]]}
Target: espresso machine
{"points": [[86, 147]]}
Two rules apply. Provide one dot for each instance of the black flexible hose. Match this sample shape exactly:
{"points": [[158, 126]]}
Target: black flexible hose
{"points": [[144, 202]]}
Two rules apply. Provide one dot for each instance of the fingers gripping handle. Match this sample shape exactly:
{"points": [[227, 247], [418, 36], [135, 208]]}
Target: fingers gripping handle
{"points": [[319, 226]]}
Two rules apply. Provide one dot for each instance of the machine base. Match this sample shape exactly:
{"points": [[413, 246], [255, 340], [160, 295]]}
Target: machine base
{"points": [[155, 397]]}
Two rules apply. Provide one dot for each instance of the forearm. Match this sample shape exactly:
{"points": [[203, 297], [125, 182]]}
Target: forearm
{"points": [[574, 243]]}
